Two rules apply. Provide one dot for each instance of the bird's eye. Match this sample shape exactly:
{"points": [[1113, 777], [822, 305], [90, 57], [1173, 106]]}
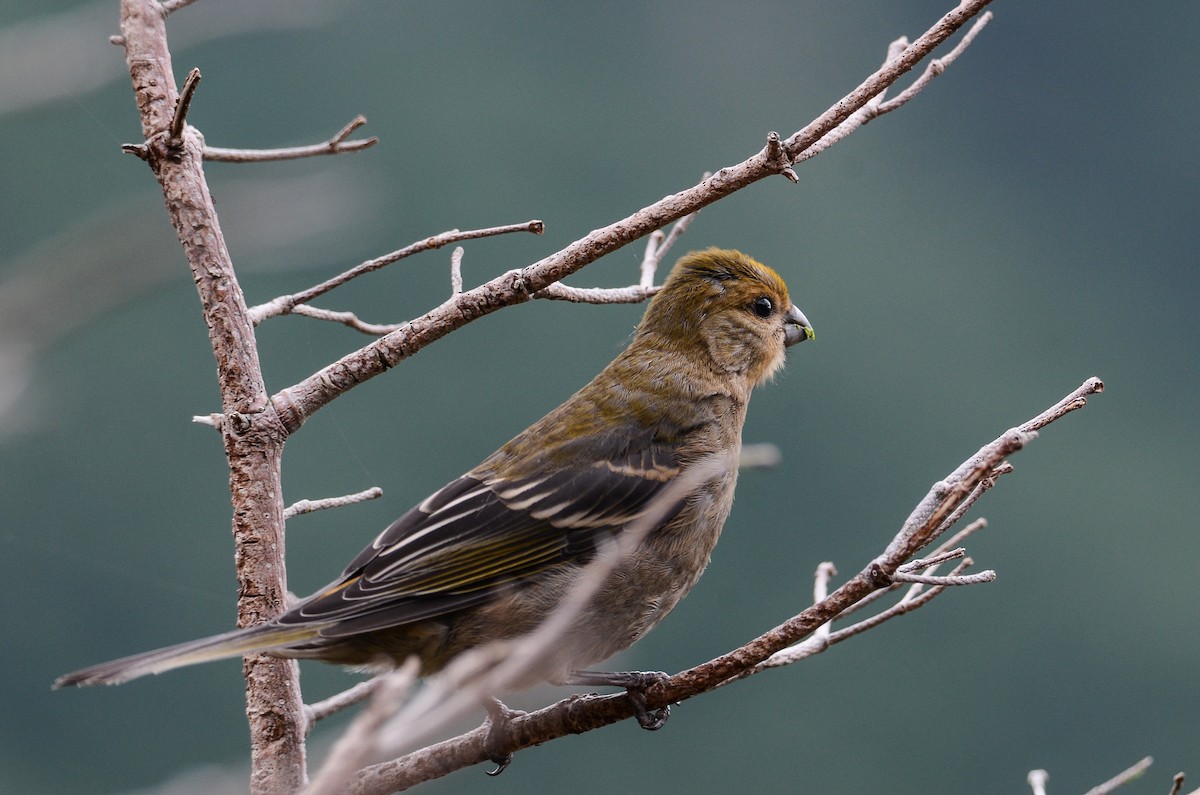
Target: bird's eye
{"points": [[762, 306]]}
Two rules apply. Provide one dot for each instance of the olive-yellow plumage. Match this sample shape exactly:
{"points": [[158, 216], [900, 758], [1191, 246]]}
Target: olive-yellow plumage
{"points": [[493, 552]]}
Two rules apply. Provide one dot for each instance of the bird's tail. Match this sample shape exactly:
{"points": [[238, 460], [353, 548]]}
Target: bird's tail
{"points": [[250, 640]]}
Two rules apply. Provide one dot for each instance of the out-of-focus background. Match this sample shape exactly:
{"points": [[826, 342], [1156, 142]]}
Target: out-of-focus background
{"points": [[1027, 222]]}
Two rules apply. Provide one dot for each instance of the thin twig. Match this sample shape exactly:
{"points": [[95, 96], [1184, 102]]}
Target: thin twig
{"points": [[825, 637], [286, 303], [335, 145], [182, 105], [932, 579], [1073, 401], [984, 485], [1037, 781], [170, 6], [933, 560], [345, 318], [456, 282], [955, 540], [650, 258], [308, 506], [677, 230], [1122, 778], [821, 577], [633, 294], [659, 244], [959, 537], [340, 701]]}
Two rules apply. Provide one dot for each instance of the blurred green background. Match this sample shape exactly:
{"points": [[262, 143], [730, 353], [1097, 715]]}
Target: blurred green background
{"points": [[1027, 222]]}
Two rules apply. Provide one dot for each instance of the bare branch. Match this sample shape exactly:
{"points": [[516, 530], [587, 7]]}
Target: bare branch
{"points": [[935, 67], [340, 701], [953, 541], [1176, 784], [877, 106], [308, 506], [296, 403], [251, 433], [824, 637], [286, 304], [945, 496], [906, 57], [1037, 781], [1122, 778], [1073, 401], [335, 145], [969, 501]]}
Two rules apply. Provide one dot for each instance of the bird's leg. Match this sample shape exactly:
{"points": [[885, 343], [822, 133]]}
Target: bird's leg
{"points": [[635, 684], [498, 721]]}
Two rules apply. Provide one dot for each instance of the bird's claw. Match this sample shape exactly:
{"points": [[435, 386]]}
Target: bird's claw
{"points": [[499, 719], [635, 683], [650, 720], [502, 762]]}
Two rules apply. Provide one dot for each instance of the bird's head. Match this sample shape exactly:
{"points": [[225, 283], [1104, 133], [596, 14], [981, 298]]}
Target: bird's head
{"points": [[727, 308]]}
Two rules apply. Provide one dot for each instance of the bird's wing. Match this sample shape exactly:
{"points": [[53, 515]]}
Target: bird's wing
{"points": [[480, 532]]}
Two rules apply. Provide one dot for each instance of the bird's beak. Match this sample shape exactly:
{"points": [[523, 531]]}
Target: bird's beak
{"points": [[796, 327]]}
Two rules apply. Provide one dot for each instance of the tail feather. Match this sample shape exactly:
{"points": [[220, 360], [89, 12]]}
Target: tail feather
{"points": [[230, 644]]}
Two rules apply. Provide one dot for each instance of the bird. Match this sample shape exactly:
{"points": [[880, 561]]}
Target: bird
{"points": [[490, 555]]}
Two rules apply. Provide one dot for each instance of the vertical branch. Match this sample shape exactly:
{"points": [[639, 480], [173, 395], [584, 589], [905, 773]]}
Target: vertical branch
{"points": [[251, 430]]}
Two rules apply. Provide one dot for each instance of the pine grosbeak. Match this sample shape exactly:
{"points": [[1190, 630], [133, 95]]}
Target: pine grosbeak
{"points": [[493, 552]]}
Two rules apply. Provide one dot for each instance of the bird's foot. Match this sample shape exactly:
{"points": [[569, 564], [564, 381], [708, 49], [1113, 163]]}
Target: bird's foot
{"points": [[496, 743], [635, 683]]}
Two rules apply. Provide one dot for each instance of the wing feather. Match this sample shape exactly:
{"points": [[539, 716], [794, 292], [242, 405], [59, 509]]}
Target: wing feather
{"points": [[481, 533]]}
